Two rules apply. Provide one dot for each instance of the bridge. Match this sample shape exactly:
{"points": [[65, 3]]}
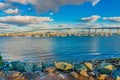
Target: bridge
{"points": [[77, 31]]}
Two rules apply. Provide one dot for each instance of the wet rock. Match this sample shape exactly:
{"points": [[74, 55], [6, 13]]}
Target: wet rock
{"points": [[79, 67], [105, 68], [89, 65], [38, 67], [46, 65], [83, 78], [16, 74], [29, 67], [109, 78], [84, 73], [102, 77], [49, 69], [53, 76], [118, 78], [62, 76], [6, 66], [18, 66], [29, 76], [1, 74], [116, 74], [63, 66], [74, 74]]}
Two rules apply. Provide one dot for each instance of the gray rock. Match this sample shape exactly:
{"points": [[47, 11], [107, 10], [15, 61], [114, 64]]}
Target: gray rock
{"points": [[6, 66], [38, 67], [116, 74], [29, 67], [19, 66]]}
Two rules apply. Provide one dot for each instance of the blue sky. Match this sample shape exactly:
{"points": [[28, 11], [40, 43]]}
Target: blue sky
{"points": [[36, 14]]}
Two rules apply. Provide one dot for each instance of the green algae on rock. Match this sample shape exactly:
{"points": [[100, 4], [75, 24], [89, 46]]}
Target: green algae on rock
{"points": [[105, 68]]}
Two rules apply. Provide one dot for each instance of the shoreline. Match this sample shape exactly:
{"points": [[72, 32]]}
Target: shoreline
{"points": [[103, 69]]}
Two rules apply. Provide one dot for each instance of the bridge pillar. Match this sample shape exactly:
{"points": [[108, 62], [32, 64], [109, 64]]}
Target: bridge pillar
{"points": [[89, 31], [83, 31], [118, 31], [95, 31], [69, 32], [102, 33], [110, 31], [43, 33], [76, 32]]}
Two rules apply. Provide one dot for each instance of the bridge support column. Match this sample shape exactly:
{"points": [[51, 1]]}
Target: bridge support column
{"points": [[118, 31], [69, 32], [95, 31], [102, 33], [110, 31], [83, 31], [76, 32], [89, 31]]}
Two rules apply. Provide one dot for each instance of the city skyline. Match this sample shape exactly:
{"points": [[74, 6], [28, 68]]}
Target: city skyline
{"points": [[25, 15]]}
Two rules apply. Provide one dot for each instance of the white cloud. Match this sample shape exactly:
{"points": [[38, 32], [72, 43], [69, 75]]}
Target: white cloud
{"points": [[4, 5], [112, 19], [12, 11], [51, 5], [19, 1], [93, 18], [24, 20], [95, 2]]}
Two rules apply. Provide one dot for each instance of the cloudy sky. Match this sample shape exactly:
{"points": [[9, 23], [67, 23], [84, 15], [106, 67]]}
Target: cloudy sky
{"points": [[27, 15]]}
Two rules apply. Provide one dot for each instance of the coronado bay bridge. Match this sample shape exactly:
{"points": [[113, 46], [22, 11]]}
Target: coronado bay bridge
{"points": [[77, 31]]}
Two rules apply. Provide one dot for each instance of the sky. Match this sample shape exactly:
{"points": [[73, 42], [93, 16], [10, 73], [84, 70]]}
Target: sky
{"points": [[32, 15]]}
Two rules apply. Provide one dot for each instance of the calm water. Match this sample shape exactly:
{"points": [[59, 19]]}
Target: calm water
{"points": [[59, 48]]}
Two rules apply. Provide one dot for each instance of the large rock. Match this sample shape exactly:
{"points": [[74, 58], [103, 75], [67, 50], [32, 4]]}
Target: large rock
{"points": [[46, 65], [84, 73], [105, 68], [6, 66], [116, 74], [89, 65], [18, 66], [102, 77], [29, 67], [79, 67], [64, 66], [50, 69], [38, 67], [74, 74]]}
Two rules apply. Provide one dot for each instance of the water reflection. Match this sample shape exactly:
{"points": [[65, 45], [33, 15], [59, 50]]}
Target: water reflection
{"points": [[59, 48], [27, 49]]}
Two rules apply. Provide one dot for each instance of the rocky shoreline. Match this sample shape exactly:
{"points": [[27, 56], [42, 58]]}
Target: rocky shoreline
{"points": [[108, 69]]}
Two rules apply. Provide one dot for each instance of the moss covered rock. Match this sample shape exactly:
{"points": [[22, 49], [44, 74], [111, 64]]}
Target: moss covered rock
{"points": [[105, 68]]}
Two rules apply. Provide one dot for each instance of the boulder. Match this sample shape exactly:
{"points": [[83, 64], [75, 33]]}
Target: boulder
{"points": [[63, 66], [38, 67], [6, 66], [46, 65], [29, 67], [74, 74], [105, 68], [102, 77], [62, 76], [49, 69], [89, 65], [18, 66], [116, 74], [79, 67], [84, 73]]}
